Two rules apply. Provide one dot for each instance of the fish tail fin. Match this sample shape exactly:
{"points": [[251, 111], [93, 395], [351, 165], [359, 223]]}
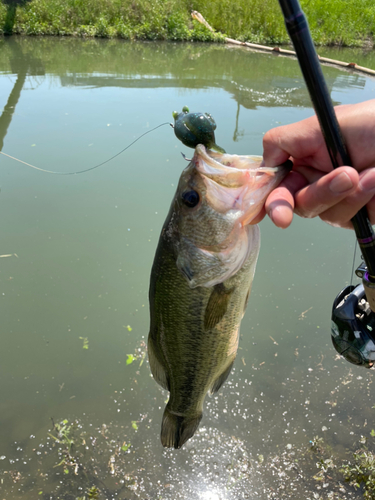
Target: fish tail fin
{"points": [[177, 429]]}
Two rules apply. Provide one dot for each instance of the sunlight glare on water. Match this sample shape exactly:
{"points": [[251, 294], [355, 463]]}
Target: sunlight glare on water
{"points": [[210, 495]]}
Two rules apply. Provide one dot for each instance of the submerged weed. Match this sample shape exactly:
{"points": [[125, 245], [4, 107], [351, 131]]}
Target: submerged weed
{"points": [[63, 433], [85, 342], [93, 492], [361, 472]]}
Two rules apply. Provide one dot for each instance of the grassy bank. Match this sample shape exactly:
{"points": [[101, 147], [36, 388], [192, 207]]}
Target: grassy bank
{"points": [[128, 19], [332, 22]]}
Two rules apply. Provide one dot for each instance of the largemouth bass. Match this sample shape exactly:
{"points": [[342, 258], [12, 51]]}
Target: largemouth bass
{"points": [[201, 280]]}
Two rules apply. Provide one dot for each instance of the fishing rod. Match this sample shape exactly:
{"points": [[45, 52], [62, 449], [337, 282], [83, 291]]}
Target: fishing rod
{"points": [[353, 313]]}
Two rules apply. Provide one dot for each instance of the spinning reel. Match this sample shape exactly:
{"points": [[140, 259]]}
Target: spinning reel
{"points": [[353, 322]]}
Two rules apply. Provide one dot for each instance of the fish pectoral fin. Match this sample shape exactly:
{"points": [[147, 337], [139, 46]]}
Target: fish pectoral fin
{"points": [[157, 369], [216, 306], [221, 379]]}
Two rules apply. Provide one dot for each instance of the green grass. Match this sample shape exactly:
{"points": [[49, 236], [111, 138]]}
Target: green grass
{"points": [[138, 19], [332, 22]]}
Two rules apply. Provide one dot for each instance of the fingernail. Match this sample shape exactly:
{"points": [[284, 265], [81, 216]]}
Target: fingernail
{"points": [[367, 182], [341, 183], [281, 216]]}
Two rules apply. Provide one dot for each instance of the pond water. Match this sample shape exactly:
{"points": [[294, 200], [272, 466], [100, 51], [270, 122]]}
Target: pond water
{"points": [[76, 253]]}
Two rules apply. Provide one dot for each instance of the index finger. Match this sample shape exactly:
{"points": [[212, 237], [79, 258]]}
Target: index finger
{"points": [[303, 141]]}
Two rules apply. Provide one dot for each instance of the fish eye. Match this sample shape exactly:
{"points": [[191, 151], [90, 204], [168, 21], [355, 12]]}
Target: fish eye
{"points": [[190, 198]]}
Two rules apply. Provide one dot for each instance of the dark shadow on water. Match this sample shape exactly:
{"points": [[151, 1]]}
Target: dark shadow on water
{"points": [[11, 14]]}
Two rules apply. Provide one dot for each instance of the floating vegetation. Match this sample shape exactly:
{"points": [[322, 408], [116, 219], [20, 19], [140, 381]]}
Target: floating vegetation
{"points": [[85, 342], [360, 472], [93, 492], [125, 446], [63, 430], [130, 359], [139, 354], [134, 425]]}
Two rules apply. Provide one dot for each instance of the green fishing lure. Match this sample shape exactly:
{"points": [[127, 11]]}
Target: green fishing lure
{"points": [[195, 128]]}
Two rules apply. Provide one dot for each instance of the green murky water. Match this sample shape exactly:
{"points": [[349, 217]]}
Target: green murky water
{"points": [[74, 272]]}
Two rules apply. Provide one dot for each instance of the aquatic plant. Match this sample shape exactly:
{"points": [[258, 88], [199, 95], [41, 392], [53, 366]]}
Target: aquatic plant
{"points": [[360, 472], [85, 344], [63, 430], [139, 353]]}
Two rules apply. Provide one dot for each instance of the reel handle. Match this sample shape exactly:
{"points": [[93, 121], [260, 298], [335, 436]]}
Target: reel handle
{"points": [[369, 287]]}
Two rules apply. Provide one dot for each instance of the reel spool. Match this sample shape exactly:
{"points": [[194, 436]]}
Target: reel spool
{"points": [[353, 324]]}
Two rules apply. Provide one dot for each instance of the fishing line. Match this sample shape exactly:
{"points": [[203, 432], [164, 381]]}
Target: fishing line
{"points": [[91, 168], [355, 250]]}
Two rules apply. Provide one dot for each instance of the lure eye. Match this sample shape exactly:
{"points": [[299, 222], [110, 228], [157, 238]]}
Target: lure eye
{"points": [[190, 199]]}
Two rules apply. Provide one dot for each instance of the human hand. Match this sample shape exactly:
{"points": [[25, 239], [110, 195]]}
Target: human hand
{"points": [[313, 188]]}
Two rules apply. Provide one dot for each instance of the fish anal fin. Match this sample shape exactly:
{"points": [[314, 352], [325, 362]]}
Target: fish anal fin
{"points": [[221, 379], [177, 429], [216, 306], [157, 369]]}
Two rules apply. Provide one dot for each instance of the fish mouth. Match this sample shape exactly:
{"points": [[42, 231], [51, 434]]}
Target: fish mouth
{"points": [[235, 184]]}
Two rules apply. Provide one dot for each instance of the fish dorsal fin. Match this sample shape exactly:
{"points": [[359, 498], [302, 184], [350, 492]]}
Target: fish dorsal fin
{"points": [[221, 379], [216, 306]]}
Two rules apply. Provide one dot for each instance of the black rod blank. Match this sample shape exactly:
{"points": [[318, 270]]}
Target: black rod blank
{"points": [[299, 33]]}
